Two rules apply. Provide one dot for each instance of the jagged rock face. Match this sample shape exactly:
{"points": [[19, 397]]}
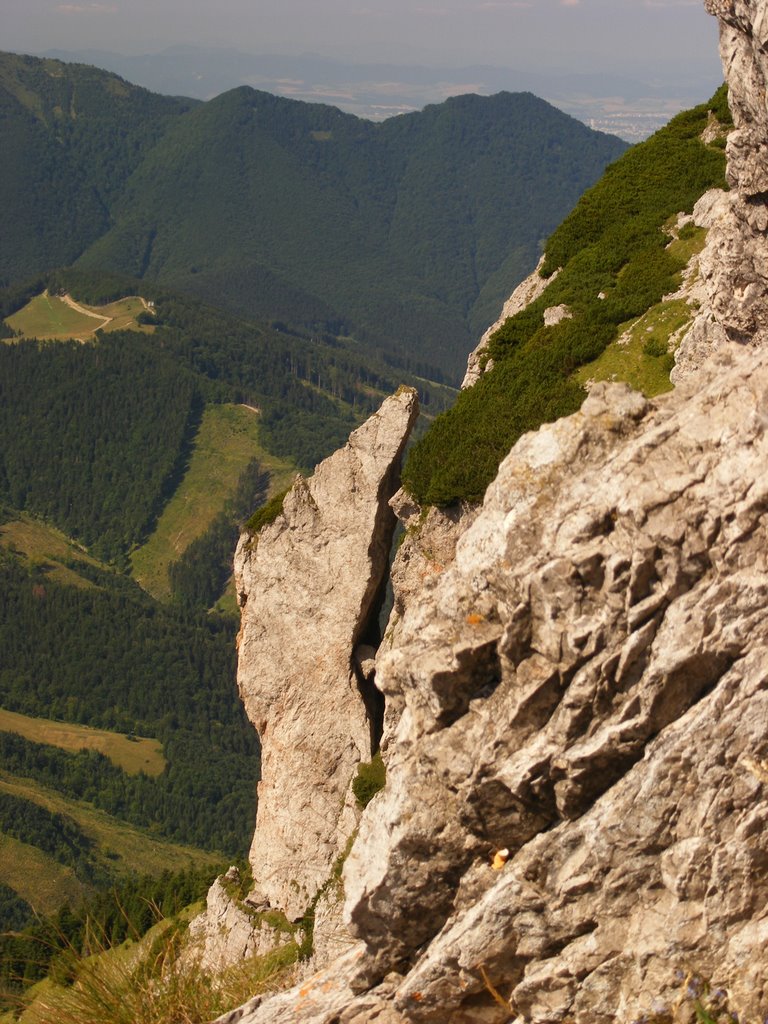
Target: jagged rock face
{"points": [[735, 262], [585, 684], [308, 587]]}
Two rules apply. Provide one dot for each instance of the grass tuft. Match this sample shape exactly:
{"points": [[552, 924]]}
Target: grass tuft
{"points": [[155, 981]]}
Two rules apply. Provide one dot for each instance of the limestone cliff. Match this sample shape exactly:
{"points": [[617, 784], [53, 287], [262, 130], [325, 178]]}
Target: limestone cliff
{"points": [[308, 586], [586, 685], [576, 684]]}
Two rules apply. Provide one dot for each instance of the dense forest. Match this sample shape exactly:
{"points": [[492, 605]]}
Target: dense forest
{"points": [[114, 659], [405, 234], [70, 142], [615, 265], [96, 437]]}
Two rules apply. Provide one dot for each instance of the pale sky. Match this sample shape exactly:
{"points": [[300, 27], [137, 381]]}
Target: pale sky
{"points": [[659, 39]]}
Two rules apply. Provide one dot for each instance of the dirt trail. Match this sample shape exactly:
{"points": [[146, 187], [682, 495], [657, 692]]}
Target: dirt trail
{"points": [[87, 312]]}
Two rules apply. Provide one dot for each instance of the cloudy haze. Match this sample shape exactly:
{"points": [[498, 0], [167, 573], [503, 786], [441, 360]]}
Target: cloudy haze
{"points": [[657, 38]]}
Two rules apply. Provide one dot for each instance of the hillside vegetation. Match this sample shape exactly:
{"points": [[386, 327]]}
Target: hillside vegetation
{"points": [[112, 659], [72, 135], [616, 265], [405, 234], [227, 443], [97, 436]]}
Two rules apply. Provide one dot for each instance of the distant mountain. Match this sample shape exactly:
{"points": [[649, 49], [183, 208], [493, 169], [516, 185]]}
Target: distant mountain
{"points": [[375, 90], [71, 136], [405, 234]]}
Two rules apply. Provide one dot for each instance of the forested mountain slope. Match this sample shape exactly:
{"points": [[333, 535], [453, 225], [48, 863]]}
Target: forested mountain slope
{"points": [[96, 436], [405, 234], [71, 136]]}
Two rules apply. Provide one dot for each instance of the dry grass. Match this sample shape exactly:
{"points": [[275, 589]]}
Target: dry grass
{"points": [[149, 982], [133, 756], [227, 440]]}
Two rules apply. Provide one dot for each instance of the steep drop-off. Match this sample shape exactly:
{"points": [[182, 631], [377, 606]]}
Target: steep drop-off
{"points": [[573, 826]]}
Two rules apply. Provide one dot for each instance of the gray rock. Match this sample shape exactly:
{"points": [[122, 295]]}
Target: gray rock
{"points": [[734, 264], [554, 315], [584, 684], [308, 586], [526, 292], [578, 675], [228, 931]]}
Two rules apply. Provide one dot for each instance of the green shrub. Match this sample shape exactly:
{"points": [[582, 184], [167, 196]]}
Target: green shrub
{"points": [[612, 249], [687, 231], [655, 347], [267, 513], [371, 777]]}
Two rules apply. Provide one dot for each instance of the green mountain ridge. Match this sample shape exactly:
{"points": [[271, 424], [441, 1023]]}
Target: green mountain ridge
{"points": [[405, 233]]}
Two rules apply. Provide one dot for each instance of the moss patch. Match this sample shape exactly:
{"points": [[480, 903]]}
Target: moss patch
{"points": [[267, 513], [371, 777]]}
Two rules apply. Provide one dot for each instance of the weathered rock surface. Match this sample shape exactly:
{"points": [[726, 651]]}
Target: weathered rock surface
{"points": [[586, 684], [308, 587], [734, 265], [556, 314], [579, 674], [229, 932]]}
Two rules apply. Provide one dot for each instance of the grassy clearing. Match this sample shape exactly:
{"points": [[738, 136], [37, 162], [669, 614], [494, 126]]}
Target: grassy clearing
{"points": [[38, 878], [690, 244], [123, 315], [133, 756], [50, 318], [228, 439], [227, 603], [125, 848], [631, 362], [42, 544]]}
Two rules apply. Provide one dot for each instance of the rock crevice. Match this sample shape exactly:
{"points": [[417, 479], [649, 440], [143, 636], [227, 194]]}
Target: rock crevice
{"points": [[310, 586]]}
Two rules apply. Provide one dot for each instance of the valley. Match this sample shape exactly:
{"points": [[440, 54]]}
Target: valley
{"points": [[236, 287]]}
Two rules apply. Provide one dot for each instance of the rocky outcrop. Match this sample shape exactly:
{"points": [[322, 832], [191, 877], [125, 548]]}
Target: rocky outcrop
{"points": [[526, 292], [576, 682], [734, 265], [229, 932], [309, 585], [585, 685]]}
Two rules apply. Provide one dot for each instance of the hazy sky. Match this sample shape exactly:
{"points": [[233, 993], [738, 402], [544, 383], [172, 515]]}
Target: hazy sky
{"points": [[656, 37]]}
